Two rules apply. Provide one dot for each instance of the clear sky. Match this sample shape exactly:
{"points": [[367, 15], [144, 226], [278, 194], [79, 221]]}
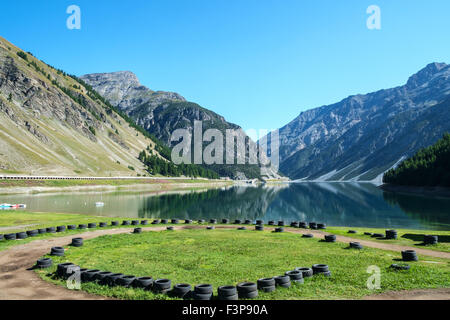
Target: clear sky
{"points": [[259, 63]]}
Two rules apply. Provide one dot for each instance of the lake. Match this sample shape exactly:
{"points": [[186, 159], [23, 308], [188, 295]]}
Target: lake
{"points": [[336, 204]]}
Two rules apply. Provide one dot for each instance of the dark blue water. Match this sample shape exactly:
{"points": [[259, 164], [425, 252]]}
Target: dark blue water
{"points": [[336, 204]]}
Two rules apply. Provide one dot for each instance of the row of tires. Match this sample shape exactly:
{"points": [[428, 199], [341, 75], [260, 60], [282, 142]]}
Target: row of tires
{"points": [[393, 234], [243, 290], [58, 229]]}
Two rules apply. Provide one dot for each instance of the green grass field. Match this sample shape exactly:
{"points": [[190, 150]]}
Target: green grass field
{"points": [[222, 257], [406, 237]]}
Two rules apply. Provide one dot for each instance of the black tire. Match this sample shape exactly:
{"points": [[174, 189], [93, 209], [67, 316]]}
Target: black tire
{"points": [[259, 228], [400, 266], [181, 289], [247, 221], [61, 269], [242, 228], [303, 225], [92, 225], [225, 221], [187, 221], [377, 235], [271, 223], [226, 291], [248, 295], [282, 279], [169, 228], [143, 282], [246, 287], [409, 255], [44, 263], [326, 274], [265, 282], [101, 277], [321, 226], [237, 221], [126, 223], [313, 225], [430, 239], [51, 230], [109, 280], [351, 231], [21, 235], [60, 228], [114, 223], [160, 285], [77, 242], [42, 231], [229, 298], [89, 275], [201, 296], [203, 288], [356, 245], [391, 234], [71, 227], [137, 230], [320, 268], [213, 221], [280, 229], [155, 221], [57, 251], [210, 228], [134, 222], [281, 223], [82, 226], [294, 224], [294, 275], [144, 222], [306, 272], [102, 224], [368, 233], [125, 281], [174, 221], [330, 238], [164, 221], [259, 222], [267, 289], [201, 221], [308, 235]]}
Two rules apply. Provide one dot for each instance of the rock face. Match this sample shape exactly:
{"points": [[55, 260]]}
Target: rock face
{"points": [[161, 113], [50, 125], [362, 136]]}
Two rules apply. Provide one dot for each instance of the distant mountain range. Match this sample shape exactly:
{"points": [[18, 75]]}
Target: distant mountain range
{"points": [[362, 136], [161, 113]]}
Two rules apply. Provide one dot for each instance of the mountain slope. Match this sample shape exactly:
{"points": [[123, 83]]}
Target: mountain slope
{"points": [[428, 167], [161, 113], [51, 125], [362, 136]]}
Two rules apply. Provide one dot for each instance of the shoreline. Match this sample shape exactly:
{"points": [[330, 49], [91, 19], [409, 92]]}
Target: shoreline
{"points": [[153, 186], [438, 192]]}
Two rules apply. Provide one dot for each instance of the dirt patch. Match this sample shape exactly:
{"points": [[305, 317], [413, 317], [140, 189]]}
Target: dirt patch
{"points": [[23, 226], [429, 294], [20, 283]]}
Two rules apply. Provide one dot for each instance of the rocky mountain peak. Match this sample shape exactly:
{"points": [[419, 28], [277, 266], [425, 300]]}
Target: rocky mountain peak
{"points": [[426, 74]]}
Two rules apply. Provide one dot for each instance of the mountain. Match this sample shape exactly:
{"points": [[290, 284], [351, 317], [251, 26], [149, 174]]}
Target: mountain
{"points": [[161, 113], [362, 136], [50, 124], [428, 167]]}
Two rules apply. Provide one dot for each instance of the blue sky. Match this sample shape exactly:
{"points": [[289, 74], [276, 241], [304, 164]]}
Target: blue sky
{"points": [[259, 63]]}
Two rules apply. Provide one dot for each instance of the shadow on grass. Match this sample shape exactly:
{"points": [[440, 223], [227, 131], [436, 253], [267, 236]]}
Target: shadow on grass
{"points": [[419, 237]]}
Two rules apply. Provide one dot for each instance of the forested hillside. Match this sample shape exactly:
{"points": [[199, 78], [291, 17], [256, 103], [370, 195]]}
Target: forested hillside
{"points": [[428, 167]]}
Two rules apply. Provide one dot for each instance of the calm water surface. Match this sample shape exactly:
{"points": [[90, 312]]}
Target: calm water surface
{"points": [[337, 204]]}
